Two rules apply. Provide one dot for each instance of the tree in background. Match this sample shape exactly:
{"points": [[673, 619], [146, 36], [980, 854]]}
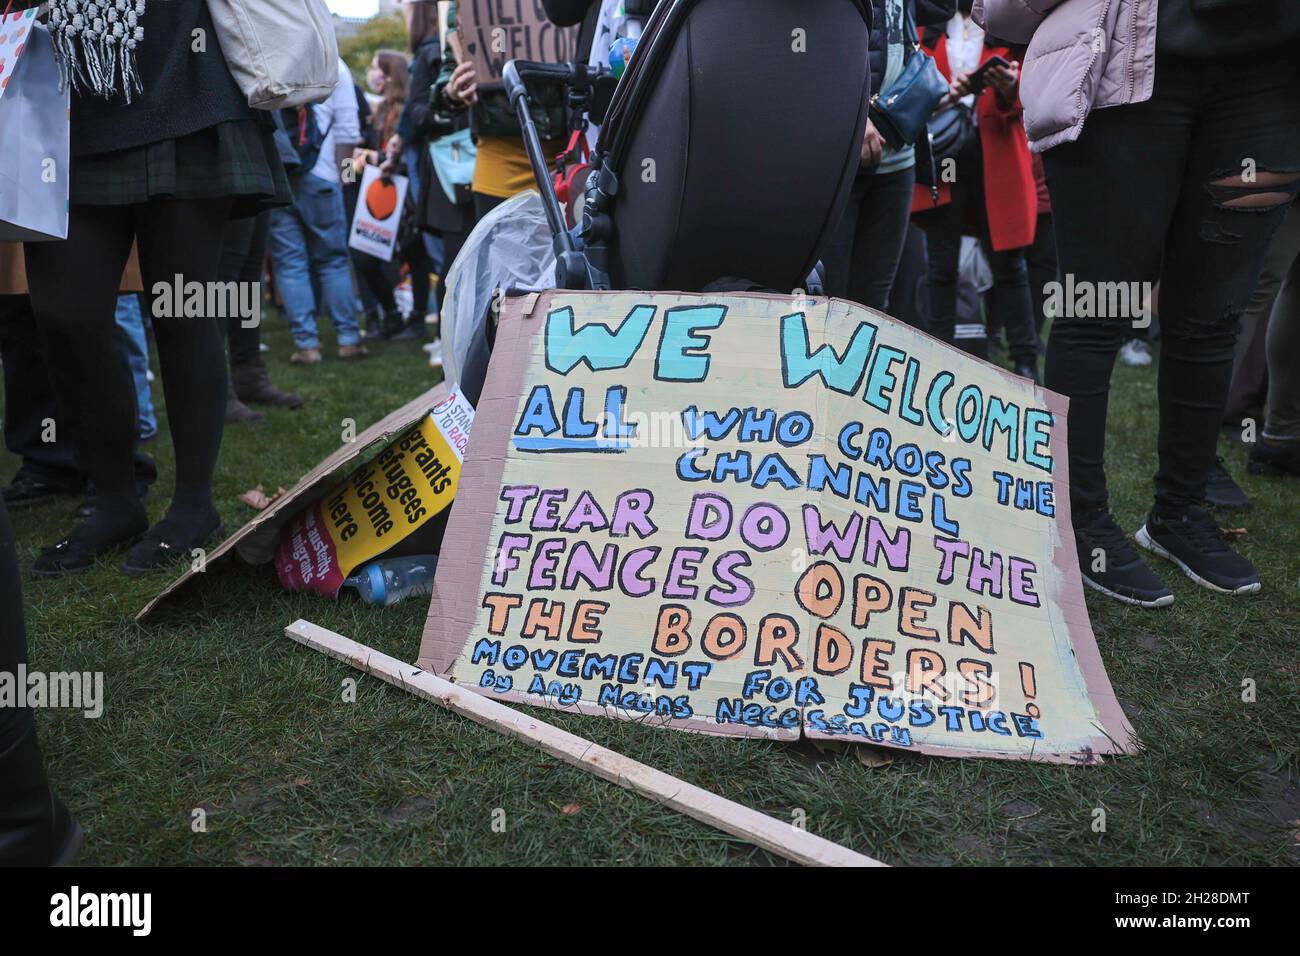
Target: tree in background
{"points": [[379, 33]]}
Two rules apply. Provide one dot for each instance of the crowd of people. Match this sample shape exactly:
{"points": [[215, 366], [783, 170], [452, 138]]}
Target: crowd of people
{"points": [[1160, 150]]}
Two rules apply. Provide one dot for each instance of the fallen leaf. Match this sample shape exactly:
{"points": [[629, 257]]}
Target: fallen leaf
{"points": [[569, 809], [1232, 534], [873, 757], [257, 498]]}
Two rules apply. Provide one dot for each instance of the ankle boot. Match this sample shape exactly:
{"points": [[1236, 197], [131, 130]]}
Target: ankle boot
{"points": [[393, 324], [237, 413], [252, 384], [36, 829]]}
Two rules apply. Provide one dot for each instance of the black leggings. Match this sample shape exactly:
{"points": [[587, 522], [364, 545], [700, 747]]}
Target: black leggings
{"points": [[243, 259], [1189, 185], [74, 290]]}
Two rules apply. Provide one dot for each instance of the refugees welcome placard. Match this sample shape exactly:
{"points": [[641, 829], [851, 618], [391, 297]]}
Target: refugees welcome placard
{"points": [[758, 515]]}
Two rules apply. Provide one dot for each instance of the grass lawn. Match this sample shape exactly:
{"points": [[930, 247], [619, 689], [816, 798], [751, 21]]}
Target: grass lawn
{"points": [[217, 710]]}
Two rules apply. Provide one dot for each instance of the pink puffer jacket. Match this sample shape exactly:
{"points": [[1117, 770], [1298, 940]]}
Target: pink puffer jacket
{"points": [[1083, 55]]}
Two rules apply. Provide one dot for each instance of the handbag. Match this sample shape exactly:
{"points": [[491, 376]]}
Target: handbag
{"points": [[572, 167], [34, 133], [900, 111], [282, 53], [949, 132], [454, 157]]}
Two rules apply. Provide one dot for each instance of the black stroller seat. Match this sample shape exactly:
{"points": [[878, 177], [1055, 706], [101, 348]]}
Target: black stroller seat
{"points": [[728, 149], [731, 145]]}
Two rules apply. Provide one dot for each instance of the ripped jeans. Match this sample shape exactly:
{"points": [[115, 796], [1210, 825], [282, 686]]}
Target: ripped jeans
{"points": [[1187, 187]]}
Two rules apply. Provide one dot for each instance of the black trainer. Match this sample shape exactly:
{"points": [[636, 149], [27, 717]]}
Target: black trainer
{"points": [[1274, 458], [1222, 492], [1109, 564], [28, 492], [1192, 540]]}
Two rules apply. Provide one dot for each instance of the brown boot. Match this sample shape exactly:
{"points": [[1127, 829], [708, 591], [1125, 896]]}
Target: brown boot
{"points": [[253, 385], [237, 413]]}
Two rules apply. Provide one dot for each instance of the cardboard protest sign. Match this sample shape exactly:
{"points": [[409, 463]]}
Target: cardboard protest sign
{"points": [[379, 505], [494, 32], [757, 515], [379, 213], [256, 542]]}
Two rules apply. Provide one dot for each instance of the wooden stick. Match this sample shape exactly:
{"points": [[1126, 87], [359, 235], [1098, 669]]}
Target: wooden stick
{"points": [[757, 828]]}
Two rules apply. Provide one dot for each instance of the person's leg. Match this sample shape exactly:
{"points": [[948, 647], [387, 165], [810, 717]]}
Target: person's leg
{"points": [[184, 238], [134, 345], [48, 466], [878, 240], [35, 827], [1134, 155], [1013, 305], [943, 230], [92, 383], [288, 239], [909, 298], [484, 204], [1213, 256], [243, 260], [1277, 448], [1040, 259], [837, 260], [321, 205], [420, 266]]}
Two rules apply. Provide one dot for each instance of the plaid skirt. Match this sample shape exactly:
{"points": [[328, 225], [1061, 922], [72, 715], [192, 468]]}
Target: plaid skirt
{"points": [[236, 159]]}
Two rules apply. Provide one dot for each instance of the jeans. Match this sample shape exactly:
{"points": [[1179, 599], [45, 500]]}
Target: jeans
{"points": [[1010, 305], [134, 346], [865, 248], [1189, 185], [309, 240]]}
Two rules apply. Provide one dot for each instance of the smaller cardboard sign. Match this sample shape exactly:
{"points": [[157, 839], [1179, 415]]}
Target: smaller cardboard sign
{"points": [[255, 542], [494, 32], [380, 505], [379, 214]]}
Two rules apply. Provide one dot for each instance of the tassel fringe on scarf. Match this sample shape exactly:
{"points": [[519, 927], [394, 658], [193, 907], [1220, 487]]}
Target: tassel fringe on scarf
{"points": [[95, 43]]}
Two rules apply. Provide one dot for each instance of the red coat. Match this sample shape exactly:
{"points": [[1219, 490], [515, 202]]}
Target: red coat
{"points": [[1010, 194]]}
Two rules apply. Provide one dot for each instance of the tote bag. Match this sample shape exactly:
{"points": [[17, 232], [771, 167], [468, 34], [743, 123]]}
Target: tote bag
{"points": [[281, 52]]}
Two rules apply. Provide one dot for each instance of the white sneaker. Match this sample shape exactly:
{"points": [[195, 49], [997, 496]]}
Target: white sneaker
{"points": [[434, 349], [1135, 353]]}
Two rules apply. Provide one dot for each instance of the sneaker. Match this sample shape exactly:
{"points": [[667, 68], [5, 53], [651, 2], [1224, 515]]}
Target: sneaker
{"points": [[1222, 492], [434, 349], [1192, 540], [1274, 458], [28, 492], [351, 353], [1136, 353], [305, 357], [1109, 564]]}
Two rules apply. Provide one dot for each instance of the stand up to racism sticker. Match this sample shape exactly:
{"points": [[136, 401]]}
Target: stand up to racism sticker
{"points": [[754, 515]]}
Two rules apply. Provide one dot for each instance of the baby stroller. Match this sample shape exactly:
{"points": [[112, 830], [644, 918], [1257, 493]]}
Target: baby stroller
{"points": [[726, 153]]}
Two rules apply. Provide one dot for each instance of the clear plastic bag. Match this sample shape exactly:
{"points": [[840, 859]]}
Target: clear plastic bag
{"points": [[510, 248]]}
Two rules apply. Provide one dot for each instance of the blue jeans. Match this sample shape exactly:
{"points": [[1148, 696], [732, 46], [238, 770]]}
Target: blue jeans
{"points": [[130, 338], [309, 246]]}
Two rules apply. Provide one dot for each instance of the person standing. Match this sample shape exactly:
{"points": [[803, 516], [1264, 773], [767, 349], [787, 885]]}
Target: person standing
{"points": [[1171, 140], [163, 151], [991, 195], [866, 247], [309, 239]]}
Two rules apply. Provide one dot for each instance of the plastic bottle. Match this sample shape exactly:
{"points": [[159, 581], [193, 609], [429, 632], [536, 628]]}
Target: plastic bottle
{"points": [[386, 582]]}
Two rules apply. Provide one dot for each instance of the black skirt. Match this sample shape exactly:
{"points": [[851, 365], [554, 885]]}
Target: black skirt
{"points": [[236, 159]]}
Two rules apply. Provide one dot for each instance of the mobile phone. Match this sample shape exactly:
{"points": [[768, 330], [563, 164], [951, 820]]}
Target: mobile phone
{"points": [[979, 77]]}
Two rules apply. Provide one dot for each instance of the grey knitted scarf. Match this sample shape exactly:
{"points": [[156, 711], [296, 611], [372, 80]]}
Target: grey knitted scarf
{"points": [[95, 43]]}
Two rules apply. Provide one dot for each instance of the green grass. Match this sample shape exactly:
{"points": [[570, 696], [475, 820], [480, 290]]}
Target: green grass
{"points": [[217, 710]]}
